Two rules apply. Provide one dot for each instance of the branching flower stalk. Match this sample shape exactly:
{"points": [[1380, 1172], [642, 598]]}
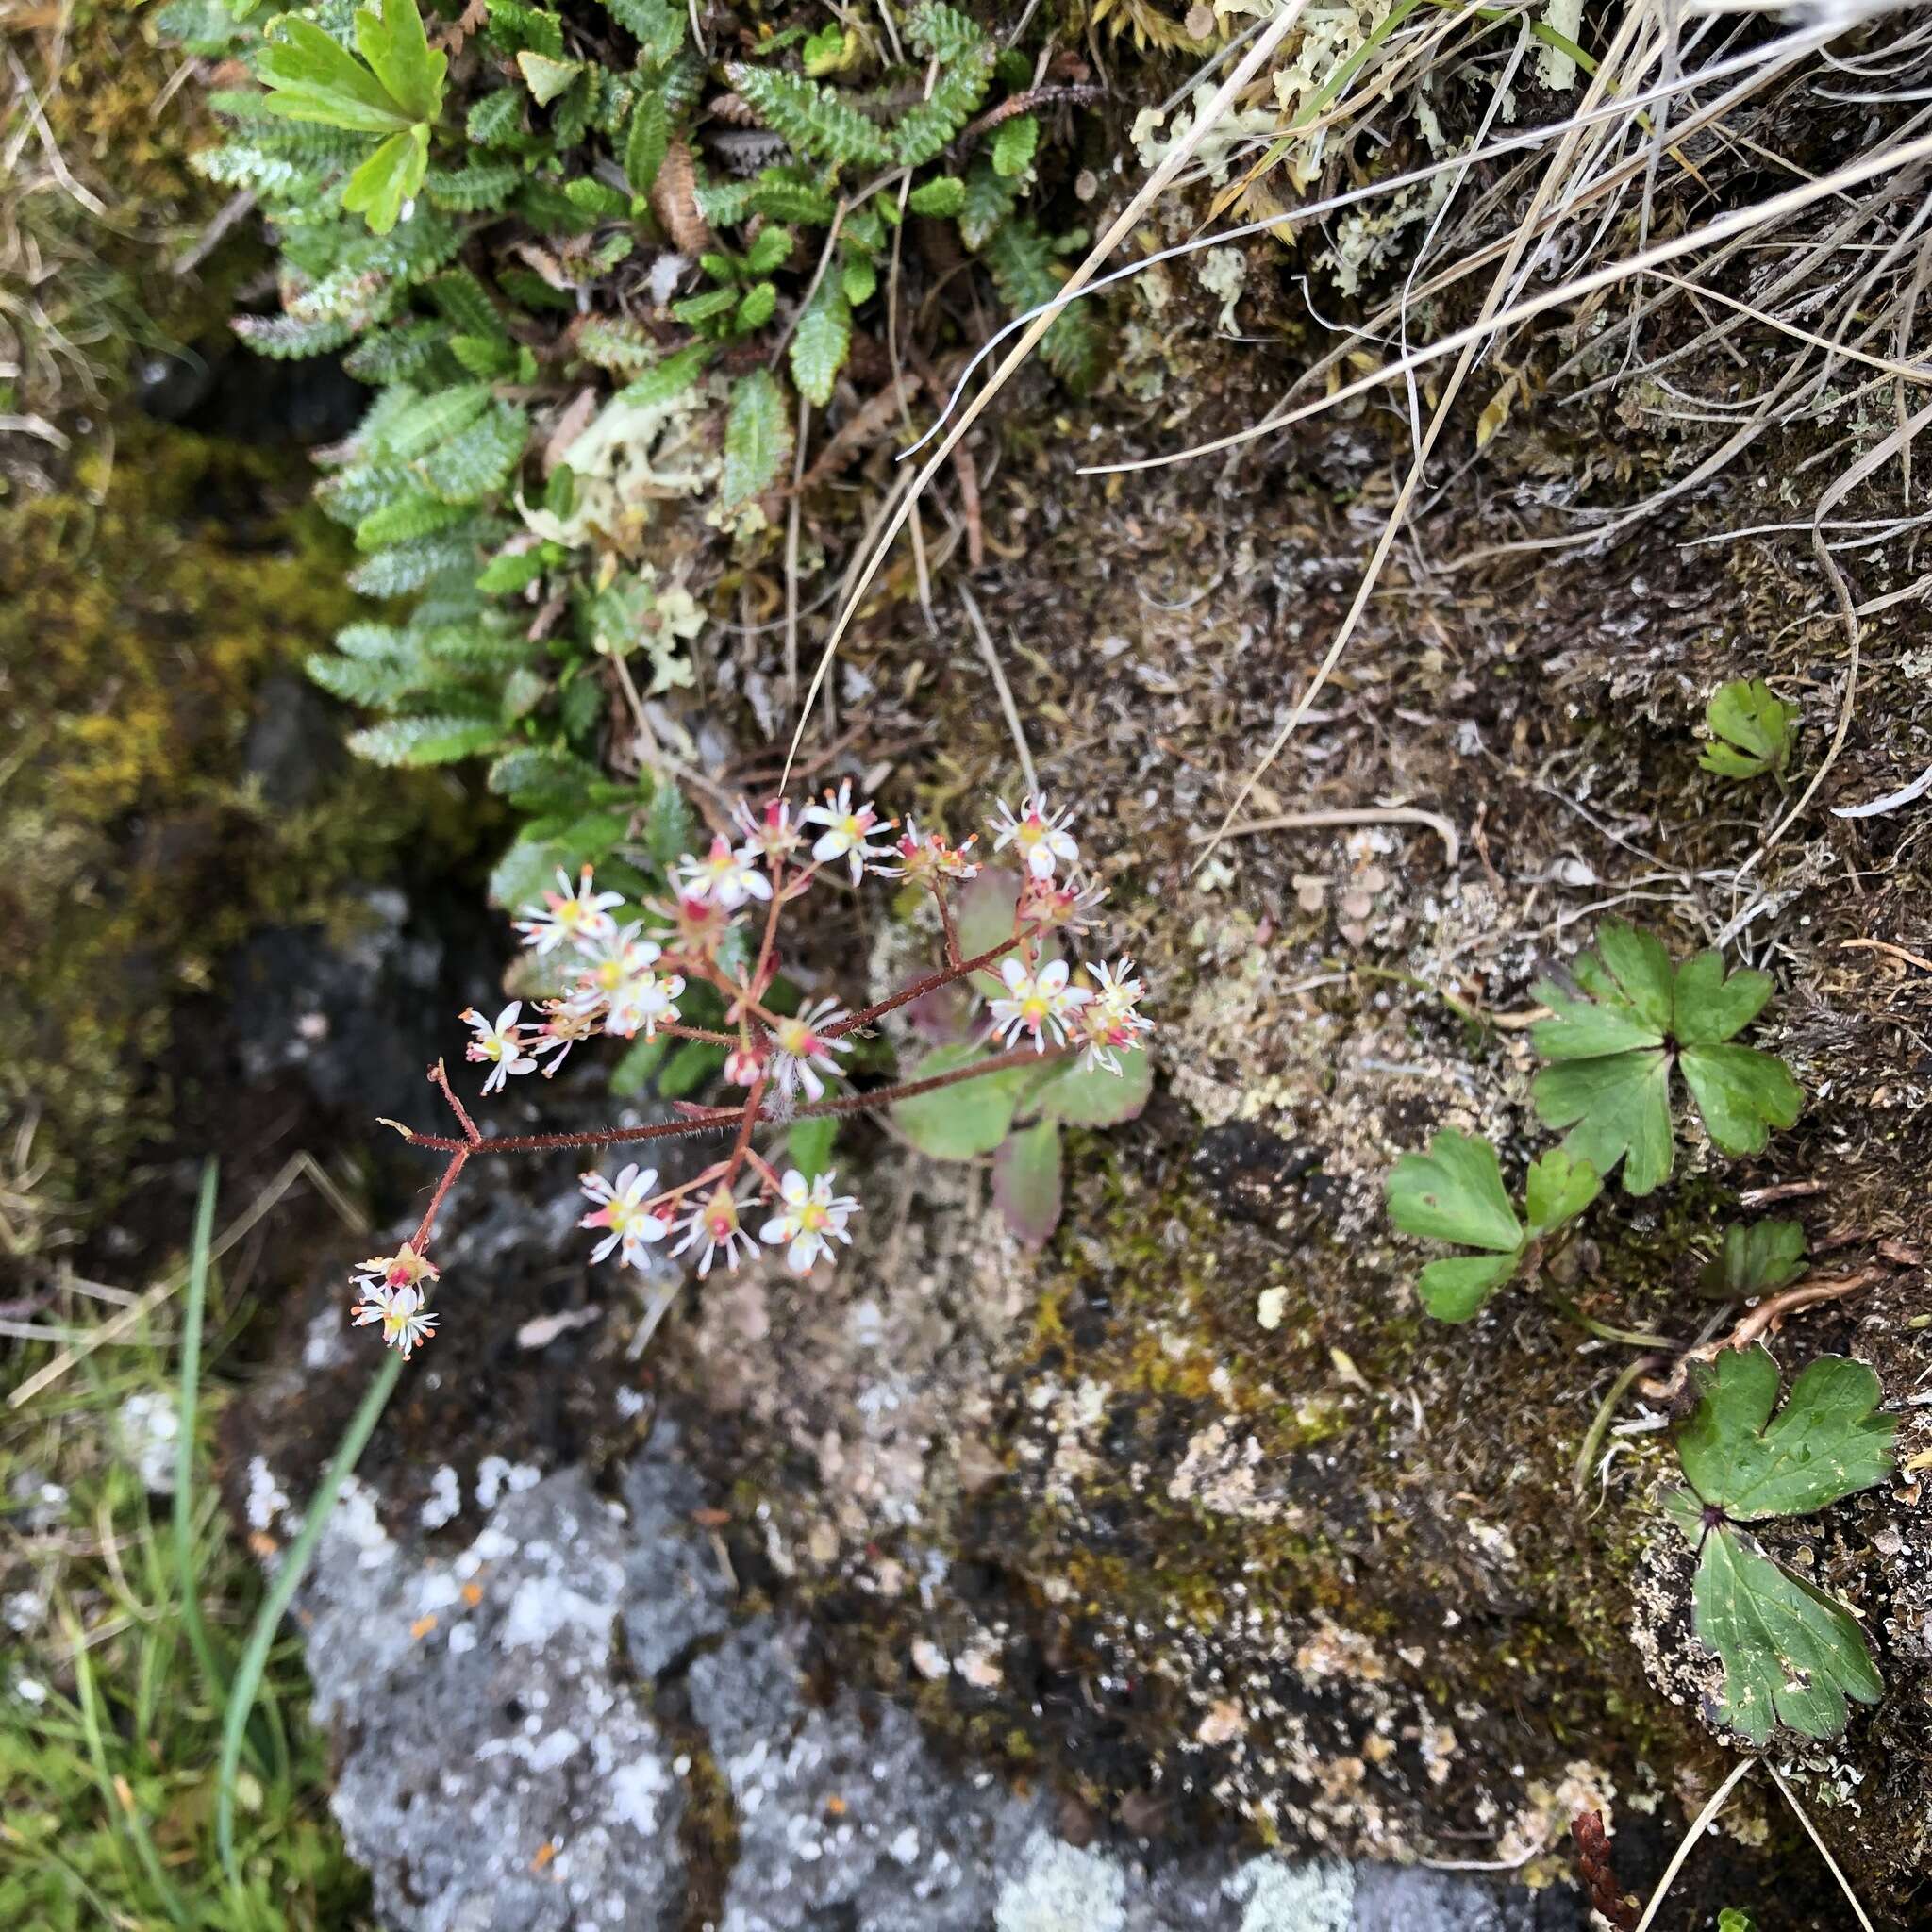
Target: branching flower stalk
{"points": [[629, 977]]}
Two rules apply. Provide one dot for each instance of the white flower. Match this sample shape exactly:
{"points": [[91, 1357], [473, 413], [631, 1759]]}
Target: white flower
{"points": [[579, 916], [729, 877], [1039, 1002], [500, 1042], [1107, 1021], [1064, 904], [631, 1226], [405, 1320], [770, 830], [1035, 835], [561, 1030], [803, 1052], [922, 856], [847, 829], [405, 1268], [620, 987], [714, 1222], [811, 1219]]}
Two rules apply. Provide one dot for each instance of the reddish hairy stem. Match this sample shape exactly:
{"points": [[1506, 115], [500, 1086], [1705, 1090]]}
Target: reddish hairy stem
{"points": [[939, 896], [457, 1159], [741, 1117], [920, 988], [440, 1076]]}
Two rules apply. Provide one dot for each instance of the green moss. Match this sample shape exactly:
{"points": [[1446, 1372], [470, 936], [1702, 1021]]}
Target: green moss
{"points": [[135, 850]]}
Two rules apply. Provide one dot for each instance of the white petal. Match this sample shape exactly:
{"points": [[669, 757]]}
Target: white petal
{"points": [[1013, 973], [1053, 975]]}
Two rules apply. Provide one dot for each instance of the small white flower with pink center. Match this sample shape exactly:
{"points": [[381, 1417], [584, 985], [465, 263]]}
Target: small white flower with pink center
{"points": [[1039, 1000], [390, 1286], [621, 1210], [848, 827], [1060, 905], [578, 917], [1108, 1022], [769, 830], [620, 985], [1036, 834], [743, 1067], [715, 1222], [804, 1050], [924, 856], [811, 1220], [500, 1043], [726, 876]]}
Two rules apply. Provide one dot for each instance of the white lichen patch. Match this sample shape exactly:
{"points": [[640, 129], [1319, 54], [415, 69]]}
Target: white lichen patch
{"points": [[1062, 1887]]}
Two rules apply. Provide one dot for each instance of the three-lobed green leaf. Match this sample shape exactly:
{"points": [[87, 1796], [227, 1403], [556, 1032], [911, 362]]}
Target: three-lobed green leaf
{"points": [[1750, 730], [1455, 1193], [1826, 1442], [1753, 1259]]}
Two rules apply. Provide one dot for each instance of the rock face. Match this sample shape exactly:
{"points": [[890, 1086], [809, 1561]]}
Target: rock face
{"points": [[559, 1724]]}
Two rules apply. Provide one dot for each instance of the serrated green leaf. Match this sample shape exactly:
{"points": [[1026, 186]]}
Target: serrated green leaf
{"points": [[808, 1146], [821, 342], [756, 308], [1093, 1097], [495, 119], [987, 202], [670, 830], [1026, 1182], [638, 1062], [648, 142], [474, 464], [813, 119], [542, 780], [1557, 1190], [758, 437], [1617, 1108], [1750, 729], [960, 1122], [859, 279], [705, 306], [545, 78], [524, 871], [1743, 1093], [1792, 1655], [431, 740], [658, 26], [1707, 1008], [944, 196], [1826, 1442], [510, 572], [668, 380], [785, 196], [770, 250], [1753, 1259], [1013, 145], [416, 515], [378, 190], [425, 423], [694, 1062], [1455, 1193], [1456, 1289]]}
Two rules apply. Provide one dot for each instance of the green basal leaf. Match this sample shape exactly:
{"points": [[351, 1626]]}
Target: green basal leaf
{"points": [[1093, 1097], [390, 177], [1826, 1442], [1615, 1108], [808, 1146], [1792, 1655], [1706, 1007], [312, 77], [1754, 1260], [771, 251], [1455, 1289], [530, 868], [944, 196], [638, 1061], [667, 380], [694, 1062], [647, 143], [398, 53], [1557, 1190], [1026, 1182], [960, 1122], [758, 437], [1750, 730], [1741, 1093], [1455, 1193]]}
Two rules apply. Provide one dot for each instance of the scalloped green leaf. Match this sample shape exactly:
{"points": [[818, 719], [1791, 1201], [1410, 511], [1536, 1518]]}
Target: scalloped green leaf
{"points": [[1754, 1258], [1750, 730], [1026, 1182], [962, 1122], [1093, 1097], [1455, 1193], [1454, 1290], [822, 341], [758, 437]]}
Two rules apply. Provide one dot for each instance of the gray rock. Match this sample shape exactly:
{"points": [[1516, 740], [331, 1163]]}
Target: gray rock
{"points": [[502, 1771]]}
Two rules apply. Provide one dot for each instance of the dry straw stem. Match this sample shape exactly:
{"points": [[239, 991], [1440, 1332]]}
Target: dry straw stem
{"points": [[1122, 226]]}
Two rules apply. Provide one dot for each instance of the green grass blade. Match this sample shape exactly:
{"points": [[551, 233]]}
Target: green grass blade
{"points": [[295, 1566], [187, 1570]]}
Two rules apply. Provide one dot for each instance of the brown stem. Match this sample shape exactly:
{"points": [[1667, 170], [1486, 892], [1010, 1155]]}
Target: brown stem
{"points": [[424, 1226], [939, 896], [440, 1076], [920, 988], [678, 1030]]}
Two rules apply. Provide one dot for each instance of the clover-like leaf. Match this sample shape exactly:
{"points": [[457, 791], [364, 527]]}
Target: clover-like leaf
{"points": [[1753, 1259], [313, 77], [1825, 1443], [1558, 1189], [1792, 1655], [1750, 730], [379, 187], [1027, 1181], [1612, 1054], [1454, 1289]]}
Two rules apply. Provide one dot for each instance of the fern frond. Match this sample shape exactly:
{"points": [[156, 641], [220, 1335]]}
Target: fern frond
{"points": [[813, 119], [412, 516], [469, 190], [284, 337], [464, 302], [477, 461], [1026, 273]]}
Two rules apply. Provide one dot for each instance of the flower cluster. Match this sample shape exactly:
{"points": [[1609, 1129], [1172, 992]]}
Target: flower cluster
{"points": [[719, 928]]}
